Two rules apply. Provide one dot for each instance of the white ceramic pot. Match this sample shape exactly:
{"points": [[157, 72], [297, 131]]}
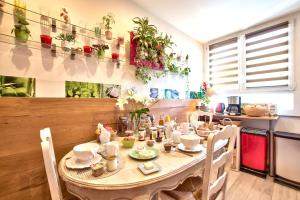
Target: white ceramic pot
{"points": [[112, 165], [85, 152], [190, 141], [111, 148]]}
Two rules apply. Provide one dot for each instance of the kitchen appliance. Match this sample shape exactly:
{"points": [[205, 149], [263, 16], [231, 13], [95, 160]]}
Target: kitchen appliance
{"points": [[234, 105], [254, 150], [286, 158], [220, 108]]}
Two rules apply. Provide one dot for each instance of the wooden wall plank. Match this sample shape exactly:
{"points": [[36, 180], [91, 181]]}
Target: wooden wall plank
{"points": [[72, 121]]}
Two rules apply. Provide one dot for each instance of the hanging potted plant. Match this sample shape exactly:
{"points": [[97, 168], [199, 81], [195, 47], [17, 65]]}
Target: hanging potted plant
{"points": [[66, 39], [108, 20], [100, 49], [46, 41], [21, 31], [87, 50], [115, 57]]}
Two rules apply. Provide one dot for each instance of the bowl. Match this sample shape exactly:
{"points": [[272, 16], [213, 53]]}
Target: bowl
{"points": [[128, 143], [85, 152], [227, 121], [190, 141]]}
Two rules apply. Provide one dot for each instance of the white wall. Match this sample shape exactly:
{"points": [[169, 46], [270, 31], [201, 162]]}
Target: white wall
{"points": [[52, 72]]}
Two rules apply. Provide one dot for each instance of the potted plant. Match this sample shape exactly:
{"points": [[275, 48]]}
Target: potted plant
{"points": [[108, 20], [87, 50], [46, 41], [21, 31], [115, 57], [97, 31], [100, 49], [66, 39]]}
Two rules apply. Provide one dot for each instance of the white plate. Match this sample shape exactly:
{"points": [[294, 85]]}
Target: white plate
{"points": [[74, 163], [156, 168], [197, 148]]}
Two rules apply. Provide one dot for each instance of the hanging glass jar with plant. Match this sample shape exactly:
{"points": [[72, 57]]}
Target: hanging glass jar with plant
{"points": [[100, 50], [108, 20], [66, 40], [21, 31]]}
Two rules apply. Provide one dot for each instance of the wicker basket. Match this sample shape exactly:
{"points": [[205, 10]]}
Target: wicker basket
{"points": [[227, 121], [255, 110]]}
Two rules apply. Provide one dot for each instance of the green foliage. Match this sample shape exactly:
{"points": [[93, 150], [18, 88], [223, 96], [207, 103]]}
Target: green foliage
{"points": [[108, 20], [21, 25], [137, 114], [146, 74], [82, 90], [151, 48], [66, 37]]}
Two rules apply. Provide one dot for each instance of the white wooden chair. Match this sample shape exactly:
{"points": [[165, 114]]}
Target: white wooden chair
{"points": [[194, 116], [50, 164], [208, 188]]}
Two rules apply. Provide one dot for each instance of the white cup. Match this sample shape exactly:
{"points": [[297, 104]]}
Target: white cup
{"points": [[111, 148], [112, 165], [176, 136], [185, 127]]}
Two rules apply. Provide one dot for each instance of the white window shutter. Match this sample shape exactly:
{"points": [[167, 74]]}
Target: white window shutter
{"points": [[223, 59], [267, 57]]}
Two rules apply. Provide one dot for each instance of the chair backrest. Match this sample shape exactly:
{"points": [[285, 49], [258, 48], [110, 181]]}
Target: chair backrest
{"points": [[221, 163], [50, 164], [193, 117]]}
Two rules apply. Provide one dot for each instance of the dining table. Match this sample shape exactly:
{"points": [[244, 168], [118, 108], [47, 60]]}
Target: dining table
{"points": [[128, 182]]}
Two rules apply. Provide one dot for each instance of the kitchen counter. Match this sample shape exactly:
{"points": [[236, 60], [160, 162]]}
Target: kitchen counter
{"points": [[245, 117]]}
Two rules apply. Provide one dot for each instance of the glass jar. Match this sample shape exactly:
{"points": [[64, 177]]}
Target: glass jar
{"points": [[153, 134], [142, 134], [122, 125]]}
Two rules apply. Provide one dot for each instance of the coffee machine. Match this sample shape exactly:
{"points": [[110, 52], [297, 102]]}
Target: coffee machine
{"points": [[234, 105]]}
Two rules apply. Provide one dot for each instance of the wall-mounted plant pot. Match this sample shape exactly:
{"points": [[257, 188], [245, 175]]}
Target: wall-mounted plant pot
{"points": [[120, 40], [53, 25], [108, 35], [65, 45], [53, 50], [88, 50], [73, 30], [21, 35], [73, 54], [97, 32], [101, 54], [115, 57], [46, 41]]}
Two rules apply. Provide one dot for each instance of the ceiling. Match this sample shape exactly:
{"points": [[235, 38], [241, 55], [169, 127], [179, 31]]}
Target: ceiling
{"points": [[205, 20]]}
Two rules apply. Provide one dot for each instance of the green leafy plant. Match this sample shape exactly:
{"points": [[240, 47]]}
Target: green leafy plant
{"points": [[100, 48], [66, 37], [151, 51], [20, 29], [108, 20]]}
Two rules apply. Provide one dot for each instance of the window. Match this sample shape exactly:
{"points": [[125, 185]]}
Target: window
{"points": [[224, 64], [261, 60]]}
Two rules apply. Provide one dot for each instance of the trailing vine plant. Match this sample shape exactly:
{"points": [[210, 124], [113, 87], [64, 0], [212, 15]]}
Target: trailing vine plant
{"points": [[151, 52]]}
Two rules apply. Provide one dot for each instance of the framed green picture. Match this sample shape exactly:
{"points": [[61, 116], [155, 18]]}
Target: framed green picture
{"points": [[11, 86], [74, 89]]}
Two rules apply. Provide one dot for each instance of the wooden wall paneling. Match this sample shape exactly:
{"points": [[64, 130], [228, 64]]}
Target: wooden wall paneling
{"points": [[72, 121]]}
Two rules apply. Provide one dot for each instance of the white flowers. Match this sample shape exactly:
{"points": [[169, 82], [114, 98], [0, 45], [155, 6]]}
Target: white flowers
{"points": [[131, 94]]}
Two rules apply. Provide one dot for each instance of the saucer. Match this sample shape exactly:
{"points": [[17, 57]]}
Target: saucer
{"points": [[197, 148], [74, 163]]}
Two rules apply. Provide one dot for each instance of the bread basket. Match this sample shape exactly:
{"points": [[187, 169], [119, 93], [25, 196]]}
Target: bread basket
{"points": [[227, 121], [255, 110]]}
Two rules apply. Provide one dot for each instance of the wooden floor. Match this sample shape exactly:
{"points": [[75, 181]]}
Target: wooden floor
{"points": [[244, 186]]}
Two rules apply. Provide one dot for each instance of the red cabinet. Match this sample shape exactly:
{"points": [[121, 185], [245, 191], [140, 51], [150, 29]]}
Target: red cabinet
{"points": [[254, 149]]}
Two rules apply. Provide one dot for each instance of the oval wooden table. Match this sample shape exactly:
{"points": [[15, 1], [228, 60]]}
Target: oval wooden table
{"points": [[131, 183]]}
